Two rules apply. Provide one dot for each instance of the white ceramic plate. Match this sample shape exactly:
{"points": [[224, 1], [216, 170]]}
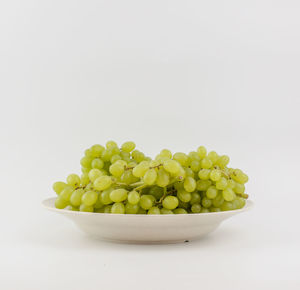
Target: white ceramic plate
{"points": [[131, 228]]}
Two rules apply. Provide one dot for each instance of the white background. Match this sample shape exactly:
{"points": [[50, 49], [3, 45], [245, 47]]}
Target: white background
{"points": [[175, 74]]}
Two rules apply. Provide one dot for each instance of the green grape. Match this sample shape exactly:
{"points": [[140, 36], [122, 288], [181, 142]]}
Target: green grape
{"points": [[59, 186], [131, 208], [228, 194], [227, 205], [196, 208], [230, 183], [73, 180], [137, 156], [193, 156], [170, 202], [150, 176], [206, 202], [189, 172], [76, 196], [106, 155], [157, 192], [211, 192], [94, 174], [215, 175], [204, 174], [114, 150], [105, 196], [102, 182], [61, 203], [204, 210], [86, 208], [240, 202], [189, 184], [146, 202], [223, 161], [110, 144], [85, 170], [84, 179], [182, 204], [206, 163], [184, 196], [74, 208], [195, 165], [166, 153], [107, 209], [89, 198], [96, 150], [213, 156], [100, 210], [133, 197], [86, 162], [98, 203], [97, 163], [66, 193], [203, 184], [154, 163], [125, 155], [141, 211], [115, 158], [166, 211], [163, 178], [201, 151], [171, 166], [128, 178], [222, 183], [161, 159], [215, 209], [116, 169], [195, 198], [118, 195], [182, 158], [140, 169], [128, 146], [88, 153], [118, 208], [180, 211], [239, 188], [239, 176], [154, 210], [180, 174], [218, 200]]}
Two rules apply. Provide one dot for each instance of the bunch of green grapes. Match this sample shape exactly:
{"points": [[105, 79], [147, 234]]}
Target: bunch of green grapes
{"points": [[125, 181]]}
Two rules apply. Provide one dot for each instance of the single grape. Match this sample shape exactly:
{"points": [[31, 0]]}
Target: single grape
{"points": [[115, 158], [170, 202], [146, 202], [171, 166], [201, 151], [84, 179], [97, 163], [203, 184], [206, 163], [204, 210], [131, 208], [128, 178], [59, 186], [89, 198], [118, 195], [141, 211], [239, 176], [140, 169], [180, 211], [189, 172], [99, 210], [180, 157], [61, 203], [189, 184], [204, 174], [215, 209], [196, 208], [227, 206], [215, 175], [118, 208], [163, 178], [222, 183], [184, 196], [94, 174], [86, 162], [102, 182], [98, 203], [66, 193], [230, 183], [85, 208], [195, 198], [128, 146], [88, 153], [110, 144], [73, 180], [138, 156], [195, 165], [213, 156], [218, 200], [85, 170], [211, 192], [166, 153], [166, 211], [206, 202], [76, 196], [228, 194], [239, 188], [193, 156], [133, 197], [154, 210], [96, 150], [105, 196], [150, 176], [74, 208], [223, 161], [107, 209], [116, 169]]}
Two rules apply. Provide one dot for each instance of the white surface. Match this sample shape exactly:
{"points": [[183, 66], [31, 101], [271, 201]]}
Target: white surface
{"points": [[146, 229], [166, 74]]}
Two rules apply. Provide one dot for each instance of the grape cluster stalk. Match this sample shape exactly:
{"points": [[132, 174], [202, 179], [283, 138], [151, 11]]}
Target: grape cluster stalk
{"points": [[125, 181]]}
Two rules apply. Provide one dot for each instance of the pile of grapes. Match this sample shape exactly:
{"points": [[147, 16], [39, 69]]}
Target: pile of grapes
{"points": [[123, 180]]}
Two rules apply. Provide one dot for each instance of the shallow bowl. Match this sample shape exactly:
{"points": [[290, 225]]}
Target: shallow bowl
{"points": [[132, 228]]}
